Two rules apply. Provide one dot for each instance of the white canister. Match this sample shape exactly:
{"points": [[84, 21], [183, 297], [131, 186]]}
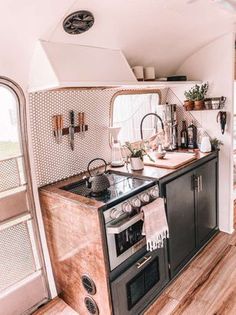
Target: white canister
{"points": [[138, 72], [205, 144], [149, 73], [136, 164]]}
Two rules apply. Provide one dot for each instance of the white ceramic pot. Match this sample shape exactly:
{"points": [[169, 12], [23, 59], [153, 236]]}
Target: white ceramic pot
{"points": [[205, 145], [136, 164]]}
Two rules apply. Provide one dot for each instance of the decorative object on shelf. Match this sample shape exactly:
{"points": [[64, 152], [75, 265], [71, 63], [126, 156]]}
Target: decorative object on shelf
{"points": [[205, 145], [197, 94], [188, 105], [58, 127], [216, 144], [208, 103], [218, 102], [116, 153], [177, 78], [98, 183], [136, 156], [138, 72], [149, 74], [223, 119], [78, 22]]}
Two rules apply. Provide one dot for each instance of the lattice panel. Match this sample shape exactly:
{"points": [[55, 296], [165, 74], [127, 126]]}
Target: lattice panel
{"points": [[16, 256], [56, 161], [9, 174]]}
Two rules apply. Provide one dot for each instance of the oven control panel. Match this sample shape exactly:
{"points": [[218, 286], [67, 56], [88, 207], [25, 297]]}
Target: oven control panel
{"points": [[131, 205]]}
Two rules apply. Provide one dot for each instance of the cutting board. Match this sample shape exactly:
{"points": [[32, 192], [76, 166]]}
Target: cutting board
{"points": [[171, 160]]}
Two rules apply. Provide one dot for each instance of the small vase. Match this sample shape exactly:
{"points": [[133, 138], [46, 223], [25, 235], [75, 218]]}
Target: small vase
{"points": [[136, 164], [189, 105], [198, 105]]}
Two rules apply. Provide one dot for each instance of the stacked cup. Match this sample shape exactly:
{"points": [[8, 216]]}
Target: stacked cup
{"points": [[144, 74]]}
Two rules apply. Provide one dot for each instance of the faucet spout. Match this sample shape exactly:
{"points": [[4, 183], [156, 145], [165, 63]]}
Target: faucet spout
{"points": [[150, 114]]}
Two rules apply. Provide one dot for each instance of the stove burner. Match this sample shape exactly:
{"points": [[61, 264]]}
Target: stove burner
{"points": [[121, 185]]}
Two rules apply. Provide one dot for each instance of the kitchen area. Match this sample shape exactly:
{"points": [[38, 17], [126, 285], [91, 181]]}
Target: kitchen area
{"points": [[93, 208], [122, 155]]}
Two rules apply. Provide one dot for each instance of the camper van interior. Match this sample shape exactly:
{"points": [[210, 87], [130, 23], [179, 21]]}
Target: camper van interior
{"points": [[117, 157]]}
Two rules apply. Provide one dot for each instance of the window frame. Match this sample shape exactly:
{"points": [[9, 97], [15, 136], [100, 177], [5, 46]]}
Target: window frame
{"points": [[128, 92]]}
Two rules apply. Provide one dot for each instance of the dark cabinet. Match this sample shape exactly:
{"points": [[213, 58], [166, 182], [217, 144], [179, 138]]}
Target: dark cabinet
{"points": [[191, 205], [181, 219], [206, 200]]}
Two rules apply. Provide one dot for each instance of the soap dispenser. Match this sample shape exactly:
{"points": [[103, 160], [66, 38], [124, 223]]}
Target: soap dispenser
{"points": [[205, 145]]}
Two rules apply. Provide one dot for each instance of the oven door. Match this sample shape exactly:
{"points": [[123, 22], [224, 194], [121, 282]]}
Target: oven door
{"points": [[134, 289], [124, 238]]}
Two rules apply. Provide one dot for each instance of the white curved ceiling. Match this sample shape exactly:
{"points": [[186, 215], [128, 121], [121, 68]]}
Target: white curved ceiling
{"points": [[162, 33]]}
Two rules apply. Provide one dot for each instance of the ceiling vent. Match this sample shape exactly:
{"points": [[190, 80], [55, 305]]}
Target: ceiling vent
{"points": [[78, 22]]}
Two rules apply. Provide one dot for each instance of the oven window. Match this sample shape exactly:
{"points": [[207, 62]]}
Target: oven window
{"points": [[142, 283], [128, 237]]}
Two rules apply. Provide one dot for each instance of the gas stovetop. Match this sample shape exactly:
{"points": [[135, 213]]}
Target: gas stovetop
{"points": [[122, 187]]}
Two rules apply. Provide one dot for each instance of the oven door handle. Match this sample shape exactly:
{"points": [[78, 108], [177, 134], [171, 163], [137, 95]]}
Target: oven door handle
{"points": [[120, 227], [145, 260]]}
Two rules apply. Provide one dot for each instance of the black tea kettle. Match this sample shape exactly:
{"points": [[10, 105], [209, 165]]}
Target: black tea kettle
{"points": [[99, 182]]}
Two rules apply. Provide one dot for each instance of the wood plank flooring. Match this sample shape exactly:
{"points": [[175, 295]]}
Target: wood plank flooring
{"points": [[207, 286], [55, 307]]}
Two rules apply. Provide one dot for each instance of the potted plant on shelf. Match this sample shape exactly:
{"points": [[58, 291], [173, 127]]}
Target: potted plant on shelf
{"points": [[136, 155], [197, 94], [189, 102], [216, 144]]}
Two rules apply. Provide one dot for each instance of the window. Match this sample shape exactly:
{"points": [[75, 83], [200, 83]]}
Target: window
{"points": [[128, 109]]}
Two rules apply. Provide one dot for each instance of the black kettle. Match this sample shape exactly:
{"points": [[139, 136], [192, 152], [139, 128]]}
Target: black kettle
{"points": [[99, 182]]}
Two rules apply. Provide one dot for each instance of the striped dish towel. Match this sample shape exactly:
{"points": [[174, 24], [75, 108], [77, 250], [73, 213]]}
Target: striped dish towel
{"points": [[155, 225]]}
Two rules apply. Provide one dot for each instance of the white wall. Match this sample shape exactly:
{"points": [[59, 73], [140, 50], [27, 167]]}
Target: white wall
{"points": [[215, 63], [152, 32]]}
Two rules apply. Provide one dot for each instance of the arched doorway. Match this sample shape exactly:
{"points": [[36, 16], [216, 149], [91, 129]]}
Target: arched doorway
{"points": [[22, 276]]}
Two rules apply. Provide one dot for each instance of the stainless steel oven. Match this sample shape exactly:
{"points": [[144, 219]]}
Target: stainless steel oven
{"points": [[124, 226], [135, 288]]}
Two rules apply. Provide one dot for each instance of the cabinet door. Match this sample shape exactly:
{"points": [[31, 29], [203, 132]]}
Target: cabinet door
{"points": [[181, 220], [206, 201]]}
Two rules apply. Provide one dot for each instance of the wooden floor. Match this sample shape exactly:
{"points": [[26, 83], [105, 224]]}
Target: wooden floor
{"points": [[207, 286]]}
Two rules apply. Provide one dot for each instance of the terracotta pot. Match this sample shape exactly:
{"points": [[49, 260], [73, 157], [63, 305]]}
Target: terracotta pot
{"points": [[136, 164], [198, 105], [189, 105]]}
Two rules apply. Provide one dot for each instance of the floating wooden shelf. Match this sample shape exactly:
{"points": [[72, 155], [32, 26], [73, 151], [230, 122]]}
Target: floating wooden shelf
{"points": [[205, 109]]}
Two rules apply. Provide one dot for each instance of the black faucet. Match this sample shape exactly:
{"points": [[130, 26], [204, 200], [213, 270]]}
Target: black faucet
{"points": [[150, 114]]}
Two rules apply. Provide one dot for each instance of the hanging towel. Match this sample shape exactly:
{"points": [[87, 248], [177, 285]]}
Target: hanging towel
{"points": [[155, 225]]}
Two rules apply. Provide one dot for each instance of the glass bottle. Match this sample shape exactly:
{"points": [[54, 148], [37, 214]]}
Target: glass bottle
{"points": [[184, 136], [192, 136]]}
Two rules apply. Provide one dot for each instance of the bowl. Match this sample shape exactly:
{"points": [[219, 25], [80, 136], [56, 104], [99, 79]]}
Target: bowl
{"points": [[160, 155]]}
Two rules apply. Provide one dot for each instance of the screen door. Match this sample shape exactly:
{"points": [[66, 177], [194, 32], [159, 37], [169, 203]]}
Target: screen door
{"points": [[22, 276]]}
